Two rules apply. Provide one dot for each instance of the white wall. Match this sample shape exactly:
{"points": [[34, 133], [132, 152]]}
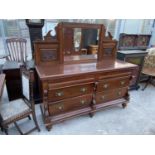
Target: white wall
{"points": [[152, 42], [131, 26]]}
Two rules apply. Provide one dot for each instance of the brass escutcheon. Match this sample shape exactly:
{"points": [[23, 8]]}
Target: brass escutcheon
{"points": [[105, 86], [122, 82], [59, 94], [60, 107], [83, 90], [82, 101]]}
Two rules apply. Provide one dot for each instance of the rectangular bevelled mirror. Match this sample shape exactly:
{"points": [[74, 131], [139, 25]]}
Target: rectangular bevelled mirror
{"points": [[80, 41]]}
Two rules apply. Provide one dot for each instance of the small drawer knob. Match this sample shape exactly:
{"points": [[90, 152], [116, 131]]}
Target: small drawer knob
{"points": [[122, 83], [83, 90], [105, 86], [83, 101], [59, 94]]}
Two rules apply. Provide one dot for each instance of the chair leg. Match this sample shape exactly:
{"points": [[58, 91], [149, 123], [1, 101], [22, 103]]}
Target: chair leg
{"points": [[35, 121], [16, 125], [6, 131], [148, 81], [29, 117], [152, 81], [1, 127]]}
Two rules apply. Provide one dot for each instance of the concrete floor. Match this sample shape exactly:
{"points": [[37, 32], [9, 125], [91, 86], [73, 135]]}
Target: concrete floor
{"points": [[137, 118]]}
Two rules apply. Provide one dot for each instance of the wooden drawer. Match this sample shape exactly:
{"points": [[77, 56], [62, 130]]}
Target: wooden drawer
{"points": [[70, 91], [111, 95], [113, 83], [70, 104]]}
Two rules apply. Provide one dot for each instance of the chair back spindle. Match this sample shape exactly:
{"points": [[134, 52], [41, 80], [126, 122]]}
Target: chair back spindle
{"points": [[16, 49]]}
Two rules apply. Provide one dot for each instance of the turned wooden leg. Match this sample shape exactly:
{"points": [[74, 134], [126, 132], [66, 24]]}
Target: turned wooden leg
{"points": [[147, 82], [6, 131], [124, 105], [35, 121], [49, 127], [91, 115]]}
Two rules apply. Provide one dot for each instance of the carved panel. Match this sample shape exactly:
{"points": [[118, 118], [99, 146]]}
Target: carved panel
{"points": [[48, 54], [108, 51], [143, 40]]}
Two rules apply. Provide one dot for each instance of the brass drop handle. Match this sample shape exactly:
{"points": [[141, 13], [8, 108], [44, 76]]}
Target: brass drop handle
{"points": [[122, 83], [82, 101], [105, 86], [59, 94], [83, 90]]}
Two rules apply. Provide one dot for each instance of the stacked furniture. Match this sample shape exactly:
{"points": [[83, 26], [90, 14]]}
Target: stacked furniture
{"points": [[132, 48], [79, 84], [133, 41]]}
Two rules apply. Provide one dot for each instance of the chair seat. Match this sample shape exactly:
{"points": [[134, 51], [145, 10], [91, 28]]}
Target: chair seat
{"points": [[149, 71], [14, 109]]}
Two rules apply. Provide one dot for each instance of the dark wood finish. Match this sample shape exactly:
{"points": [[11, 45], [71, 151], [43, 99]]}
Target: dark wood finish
{"points": [[110, 95], [27, 112], [112, 83], [116, 73], [35, 31], [135, 57], [109, 47], [68, 105], [48, 51], [65, 92], [17, 49], [77, 83], [68, 41], [13, 80]]}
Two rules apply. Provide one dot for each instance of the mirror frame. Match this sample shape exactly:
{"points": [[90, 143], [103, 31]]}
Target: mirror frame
{"points": [[62, 25]]}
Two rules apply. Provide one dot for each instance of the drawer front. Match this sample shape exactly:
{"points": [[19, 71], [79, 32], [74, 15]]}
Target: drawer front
{"points": [[109, 84], [68, 92], [111, 95], [70, 104]]}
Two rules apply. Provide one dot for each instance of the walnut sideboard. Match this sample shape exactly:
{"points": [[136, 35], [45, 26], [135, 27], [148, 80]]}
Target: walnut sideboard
{"points": [[74, 90], [79, 84]]}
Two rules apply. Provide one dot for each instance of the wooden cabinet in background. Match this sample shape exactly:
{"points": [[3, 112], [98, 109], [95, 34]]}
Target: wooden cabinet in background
{"points": [[134, 57]]}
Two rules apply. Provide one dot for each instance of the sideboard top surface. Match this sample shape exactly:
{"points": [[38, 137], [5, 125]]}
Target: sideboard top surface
{"points": [[60, 70]]}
